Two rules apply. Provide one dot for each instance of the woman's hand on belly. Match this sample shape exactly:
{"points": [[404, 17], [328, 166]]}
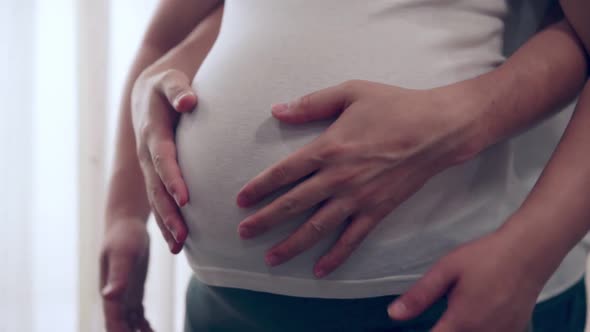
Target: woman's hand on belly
{"points": [[157, 99], [385, 144]]}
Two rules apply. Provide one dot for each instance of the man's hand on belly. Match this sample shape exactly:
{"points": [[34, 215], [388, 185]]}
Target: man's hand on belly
{"points": [[491, 284], [384, 145]]}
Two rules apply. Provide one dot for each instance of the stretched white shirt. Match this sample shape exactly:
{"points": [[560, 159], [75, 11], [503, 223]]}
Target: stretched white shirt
{"points": [[272, 51]]}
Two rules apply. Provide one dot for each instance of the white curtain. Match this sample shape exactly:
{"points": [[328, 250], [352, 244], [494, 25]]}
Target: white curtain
{"points": [[63, 64]]}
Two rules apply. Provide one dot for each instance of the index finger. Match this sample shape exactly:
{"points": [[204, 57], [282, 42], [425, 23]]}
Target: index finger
{"points": [[292, 168], [163, 151]]}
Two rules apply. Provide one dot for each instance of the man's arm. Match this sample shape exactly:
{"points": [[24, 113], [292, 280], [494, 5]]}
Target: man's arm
{"points": [[556, 214], [519, 258], [577, 13], [446, 126], [539, 78], [171, 23]]}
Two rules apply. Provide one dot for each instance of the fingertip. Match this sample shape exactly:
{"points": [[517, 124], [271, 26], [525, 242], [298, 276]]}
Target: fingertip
{"points": [[326, 265], [246, 232], [175, 247], [112, 291], [272, 260], [242, 200], [398, 310], [279, 109], [319, 272], [185, 101]]}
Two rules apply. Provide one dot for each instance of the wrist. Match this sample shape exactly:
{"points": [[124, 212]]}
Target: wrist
{"points": [[538, 250], [126, 198], [471, 102], [117, 218]]}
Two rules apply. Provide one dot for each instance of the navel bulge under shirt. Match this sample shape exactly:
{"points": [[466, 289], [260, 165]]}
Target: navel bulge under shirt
{"points": [[273, 51]]}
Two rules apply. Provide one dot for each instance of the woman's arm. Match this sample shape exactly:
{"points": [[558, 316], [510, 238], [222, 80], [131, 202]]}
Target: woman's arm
{"points": [[125, 248], [160, 93], [171, 23]]}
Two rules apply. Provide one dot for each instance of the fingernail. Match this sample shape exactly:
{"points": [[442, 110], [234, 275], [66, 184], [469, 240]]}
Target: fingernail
{"points": [[272, 260], [176, 199], [319, 273], [178, 99], [279, 108], [242, 200], [171, 245], [397, 309], [106, 290], [175, 196], [170, 225], [246, 232]]}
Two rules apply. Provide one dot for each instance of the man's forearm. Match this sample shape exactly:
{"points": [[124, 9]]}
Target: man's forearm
{"points": [[192, 51], [127, 196], [577, 13], [556, 214], [544, 74]]}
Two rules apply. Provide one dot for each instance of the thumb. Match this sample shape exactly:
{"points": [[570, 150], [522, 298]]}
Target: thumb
{"points": [[118, 272], [433, 285], [315, 106], [175, 86]]}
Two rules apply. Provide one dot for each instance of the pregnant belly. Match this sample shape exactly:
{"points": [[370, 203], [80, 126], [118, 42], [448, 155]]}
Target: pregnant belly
{"points": [[231, 136], [225, 142]]}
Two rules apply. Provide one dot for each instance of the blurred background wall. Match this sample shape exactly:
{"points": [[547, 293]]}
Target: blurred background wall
{"points": [[62, 68]]}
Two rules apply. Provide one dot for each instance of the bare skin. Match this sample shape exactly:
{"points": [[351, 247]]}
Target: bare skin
{"points": [[125, 247], [550, 225], [163, 90]]}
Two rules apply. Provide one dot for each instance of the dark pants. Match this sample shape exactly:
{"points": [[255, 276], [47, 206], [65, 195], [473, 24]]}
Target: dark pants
{"points": [[229, 309]]}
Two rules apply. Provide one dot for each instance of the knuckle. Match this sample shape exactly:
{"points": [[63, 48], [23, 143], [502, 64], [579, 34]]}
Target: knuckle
{"points": [[169, 75], [331, 151], [161, 157], [305, 102], [290, 205], [343, 177], [344, 209], [169, 221], [157, 161], [278, 174], [362, 197], [351, 84], [318, 227], [155, 193], [142, 155], [146, 131]]}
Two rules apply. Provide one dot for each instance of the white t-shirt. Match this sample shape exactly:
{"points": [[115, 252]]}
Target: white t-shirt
{"points": [[272, 51]]}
